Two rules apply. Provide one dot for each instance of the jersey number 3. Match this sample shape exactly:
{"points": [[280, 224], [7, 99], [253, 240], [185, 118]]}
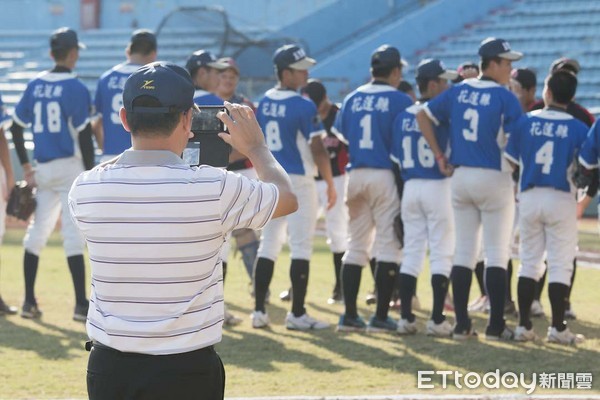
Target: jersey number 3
{"points": [[52, 117], [472, 116]]}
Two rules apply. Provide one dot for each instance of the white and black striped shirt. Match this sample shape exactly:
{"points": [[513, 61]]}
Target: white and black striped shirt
{"points": [[154, 228]]}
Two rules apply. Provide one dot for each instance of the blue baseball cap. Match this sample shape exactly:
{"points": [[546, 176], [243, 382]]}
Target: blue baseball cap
{"points": [[494, 47], [65, 39], [168, 83], [432, 68], [387, 56], [203, 58], [292, 56]]}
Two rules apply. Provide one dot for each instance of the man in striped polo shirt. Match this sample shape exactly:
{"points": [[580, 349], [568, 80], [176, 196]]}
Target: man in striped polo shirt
{"points": [[154, 228]]}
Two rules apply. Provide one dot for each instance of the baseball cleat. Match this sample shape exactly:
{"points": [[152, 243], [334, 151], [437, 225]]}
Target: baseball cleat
{"points": [[376, 325], [479, 305], [259, 319], [405, 327], [30, 311], [303, 323], [443, 329], [506, 334], [81, 312], [350, 324], [564, 337], [523, 334], [536, 309]]}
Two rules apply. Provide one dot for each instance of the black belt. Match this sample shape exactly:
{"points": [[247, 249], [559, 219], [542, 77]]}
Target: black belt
{"points": [[97, 345]]}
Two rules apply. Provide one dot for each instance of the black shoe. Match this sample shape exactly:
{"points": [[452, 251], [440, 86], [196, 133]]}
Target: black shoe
{"points": [[30, 311], [81, 311], [286, 295], [6, 309], [336, 297]]}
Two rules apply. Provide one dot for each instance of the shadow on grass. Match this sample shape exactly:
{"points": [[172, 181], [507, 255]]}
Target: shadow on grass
{"points": [[54, 345], [259, 352]]}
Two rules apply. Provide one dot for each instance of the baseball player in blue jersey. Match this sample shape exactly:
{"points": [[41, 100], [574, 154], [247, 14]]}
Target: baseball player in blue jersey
{"points": [[544, 145], [57, 107], [426, 204], [204, 67], [293, 133], [590, 160], [365, 121], [481, 113], [109, 94], [7, 182]]}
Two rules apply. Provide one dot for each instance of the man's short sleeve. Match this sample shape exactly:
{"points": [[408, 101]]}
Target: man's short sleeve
{"points": [[590, 150], [512, 112], [513, 148], [310, 123], [78, 106], [23, 114], [439, 108], [246, 203]]}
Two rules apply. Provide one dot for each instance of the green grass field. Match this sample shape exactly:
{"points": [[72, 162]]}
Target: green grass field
{"points": [[46, 359]]}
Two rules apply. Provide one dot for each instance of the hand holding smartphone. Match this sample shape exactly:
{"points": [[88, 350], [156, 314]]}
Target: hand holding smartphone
{"points": [[206, 147]]}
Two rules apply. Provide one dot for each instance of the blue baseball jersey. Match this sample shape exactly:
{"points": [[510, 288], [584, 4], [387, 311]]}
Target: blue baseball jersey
{"points": [[4, 117], [544, 144], [481, 114], [289, 121], [57, 105], [589, 156], [411, 151], [365, 121], [108, 102], [204, 98]]}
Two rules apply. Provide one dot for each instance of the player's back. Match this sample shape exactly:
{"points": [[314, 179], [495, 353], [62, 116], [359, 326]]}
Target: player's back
{"points": [[410, 149], [547, 141], [288, 121], [481, 114], [366, 120], [108, 102], [57, 105], [204, 98]]}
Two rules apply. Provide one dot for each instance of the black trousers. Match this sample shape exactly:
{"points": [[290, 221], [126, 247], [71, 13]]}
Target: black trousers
{"points": [[115, 375]]}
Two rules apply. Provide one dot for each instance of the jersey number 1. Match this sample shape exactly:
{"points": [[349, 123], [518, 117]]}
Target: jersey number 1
{"points": [[52, 117], [366, 141]]}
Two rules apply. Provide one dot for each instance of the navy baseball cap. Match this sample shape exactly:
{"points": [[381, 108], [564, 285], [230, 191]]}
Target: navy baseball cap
{"points": [[494, 47], [292, 56], [203, 58], [525, 77], [143, 36], [65, 39], [315, 90], [569, 64], [387, 56], [168, 83], [432, 68]]}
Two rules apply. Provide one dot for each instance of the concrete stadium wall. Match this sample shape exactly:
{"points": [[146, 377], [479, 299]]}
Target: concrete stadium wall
{"points": [[46, 15], [409, 34]]}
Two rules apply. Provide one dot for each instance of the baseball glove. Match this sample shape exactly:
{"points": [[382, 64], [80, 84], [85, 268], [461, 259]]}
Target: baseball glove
{"points": [[399, 229], [21, 203]]}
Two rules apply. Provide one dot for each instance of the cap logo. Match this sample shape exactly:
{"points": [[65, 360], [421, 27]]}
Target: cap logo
{"points": [[506, 46], [442, 65], [299, 54], [147, 85]]}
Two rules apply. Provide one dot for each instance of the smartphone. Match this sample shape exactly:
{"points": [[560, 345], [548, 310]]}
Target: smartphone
{"points": [[206, 147]]}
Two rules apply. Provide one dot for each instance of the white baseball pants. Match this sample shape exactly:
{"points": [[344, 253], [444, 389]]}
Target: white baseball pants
{"points": [[336, 218]]}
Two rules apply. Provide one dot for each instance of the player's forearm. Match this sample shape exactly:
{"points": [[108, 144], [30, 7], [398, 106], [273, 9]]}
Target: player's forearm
{"points": [[321, 158], [98, 132], [5, 156], [86, 145], [19, 141], [426, 128], [270, 171]]}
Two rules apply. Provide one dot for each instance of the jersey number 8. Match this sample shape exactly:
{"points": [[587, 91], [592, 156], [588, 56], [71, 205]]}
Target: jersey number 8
{"points": [[273, 137]]}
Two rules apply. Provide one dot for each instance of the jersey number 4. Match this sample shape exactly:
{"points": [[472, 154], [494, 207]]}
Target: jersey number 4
{"points": [[52, 117], [544, 156], [424, 153]]}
